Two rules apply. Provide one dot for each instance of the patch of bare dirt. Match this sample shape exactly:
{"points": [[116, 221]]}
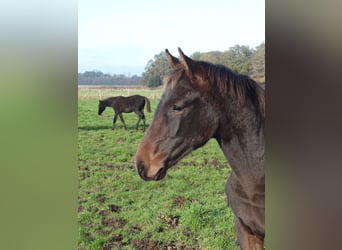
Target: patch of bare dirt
{"points": [[171, 220], [100, 198], [84, 164], [115, 208], [207, 163], [114, 222], [117, 166], [104, 213], [181, 200], [114, 243], [147, 244]]}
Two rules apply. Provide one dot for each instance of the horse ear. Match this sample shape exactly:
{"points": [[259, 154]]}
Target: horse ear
{"points": [[171, 59], [191, 67]]}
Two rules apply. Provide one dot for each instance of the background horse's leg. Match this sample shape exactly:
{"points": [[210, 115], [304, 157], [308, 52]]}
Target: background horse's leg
{"points": [[114, 120], [122, 120], [143, 118], [137, 124], [141, 115], [247, 240]]}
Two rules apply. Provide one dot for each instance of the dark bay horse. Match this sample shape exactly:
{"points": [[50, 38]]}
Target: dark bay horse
{"points": [[202, 101], [121, 104]]}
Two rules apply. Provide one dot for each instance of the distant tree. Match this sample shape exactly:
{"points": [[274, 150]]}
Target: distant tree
{"points": [[258, 64], [98, 78], [196, 55], [155, 70], [238, 58], [213, 57]]}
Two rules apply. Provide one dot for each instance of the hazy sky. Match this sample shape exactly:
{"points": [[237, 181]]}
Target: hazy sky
{"points": [[120, 37]]}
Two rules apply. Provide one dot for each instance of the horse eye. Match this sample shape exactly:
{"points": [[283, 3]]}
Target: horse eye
{"points": [[177, 108]]}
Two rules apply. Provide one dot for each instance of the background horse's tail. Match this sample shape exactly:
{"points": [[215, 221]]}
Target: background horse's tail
{"points": [[148, 105]]}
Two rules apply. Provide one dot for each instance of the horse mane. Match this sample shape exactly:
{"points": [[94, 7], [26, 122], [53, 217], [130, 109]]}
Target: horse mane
{"points": [[107, 99], [239, 86]]}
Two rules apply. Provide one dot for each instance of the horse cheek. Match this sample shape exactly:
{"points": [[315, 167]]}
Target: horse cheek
{"points": [[174, 127]]}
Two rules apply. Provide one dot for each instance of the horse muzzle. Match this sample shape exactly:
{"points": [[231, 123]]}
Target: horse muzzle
{"points": [[154, 175]]}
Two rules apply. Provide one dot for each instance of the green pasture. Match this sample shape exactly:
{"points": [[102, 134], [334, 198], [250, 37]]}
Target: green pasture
{"points": [[118, 210]]}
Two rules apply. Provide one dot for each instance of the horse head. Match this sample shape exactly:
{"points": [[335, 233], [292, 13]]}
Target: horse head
{"points": [[183, 121]]}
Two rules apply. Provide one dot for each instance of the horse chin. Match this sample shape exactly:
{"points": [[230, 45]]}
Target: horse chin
{"points": [[160, 174], [157, 177]]}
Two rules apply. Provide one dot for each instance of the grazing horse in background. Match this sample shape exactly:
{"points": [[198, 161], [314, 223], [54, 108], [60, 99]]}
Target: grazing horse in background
{"points": [[202, 101], [121, 104]]}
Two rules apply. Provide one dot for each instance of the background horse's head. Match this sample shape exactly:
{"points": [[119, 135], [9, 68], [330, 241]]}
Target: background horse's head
{"points": [[184, 120], [102, 107]]}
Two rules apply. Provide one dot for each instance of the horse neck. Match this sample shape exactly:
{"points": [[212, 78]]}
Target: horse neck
{"points": [[110, 102], [242, 141]]}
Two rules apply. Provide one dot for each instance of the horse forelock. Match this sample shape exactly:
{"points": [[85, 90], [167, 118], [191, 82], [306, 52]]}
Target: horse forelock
{"points": [[174, 77]]}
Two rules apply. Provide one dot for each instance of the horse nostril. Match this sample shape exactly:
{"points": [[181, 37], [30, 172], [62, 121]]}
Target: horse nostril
{"points": [[141, 169]]}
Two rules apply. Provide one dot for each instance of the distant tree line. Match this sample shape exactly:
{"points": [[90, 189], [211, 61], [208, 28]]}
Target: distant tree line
{"points": [[98, 78], [240, 58]]}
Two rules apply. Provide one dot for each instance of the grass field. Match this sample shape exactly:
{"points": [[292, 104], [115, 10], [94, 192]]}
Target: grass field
{"points": [[118, 210]]}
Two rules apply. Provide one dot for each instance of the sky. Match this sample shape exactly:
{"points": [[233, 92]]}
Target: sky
{"points": [[120, 37]]}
